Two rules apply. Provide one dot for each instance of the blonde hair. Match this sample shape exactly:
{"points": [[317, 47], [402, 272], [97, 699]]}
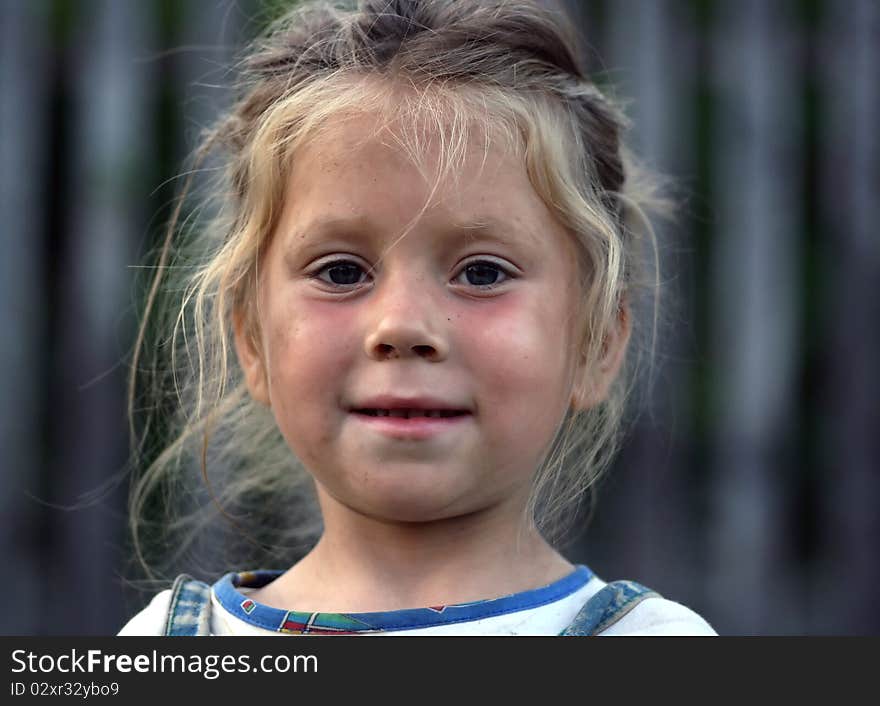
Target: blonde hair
{"points": [[501, 71]]}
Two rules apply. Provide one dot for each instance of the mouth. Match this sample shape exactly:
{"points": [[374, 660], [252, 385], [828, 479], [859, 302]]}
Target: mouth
{"points": [[410, 425], [411, 413]]}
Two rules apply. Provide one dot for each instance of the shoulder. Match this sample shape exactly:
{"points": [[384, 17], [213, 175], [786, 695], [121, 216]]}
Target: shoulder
{"points": [[660, 616], [151, 620]]}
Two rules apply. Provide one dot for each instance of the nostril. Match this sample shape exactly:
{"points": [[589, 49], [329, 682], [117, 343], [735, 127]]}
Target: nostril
{"points": [[389, 351]]}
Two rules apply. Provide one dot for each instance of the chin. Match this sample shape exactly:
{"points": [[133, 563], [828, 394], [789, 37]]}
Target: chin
{"points": [[409, 510], [405, 506]]}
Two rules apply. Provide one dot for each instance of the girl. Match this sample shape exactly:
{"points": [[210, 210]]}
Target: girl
{"points": [[425, 256]]}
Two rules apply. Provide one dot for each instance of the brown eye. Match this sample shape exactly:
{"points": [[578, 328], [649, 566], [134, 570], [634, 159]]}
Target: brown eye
{"points": [[484, 274], [340, 273]]}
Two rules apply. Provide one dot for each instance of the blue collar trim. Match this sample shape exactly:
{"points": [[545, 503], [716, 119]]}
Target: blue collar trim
{"points": [[296, 622]]}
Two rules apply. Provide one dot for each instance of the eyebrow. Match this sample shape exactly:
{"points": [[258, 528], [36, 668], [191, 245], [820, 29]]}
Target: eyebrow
{"points": [[482, 228]]}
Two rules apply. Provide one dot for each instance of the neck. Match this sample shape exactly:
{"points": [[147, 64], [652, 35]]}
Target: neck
{"points": [[362, 564]]}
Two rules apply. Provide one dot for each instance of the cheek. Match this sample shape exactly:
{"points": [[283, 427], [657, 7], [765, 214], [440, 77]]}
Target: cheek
{"points": [[307, 352], [520, 349]]}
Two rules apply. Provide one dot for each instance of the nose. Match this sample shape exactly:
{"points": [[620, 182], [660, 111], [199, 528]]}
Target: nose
{"points": [[406, 321]]}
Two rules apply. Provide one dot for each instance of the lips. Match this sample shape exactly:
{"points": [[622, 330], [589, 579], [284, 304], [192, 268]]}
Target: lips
{"points": [[411, 413], [408, 406], [423, 425], [410, 417]]}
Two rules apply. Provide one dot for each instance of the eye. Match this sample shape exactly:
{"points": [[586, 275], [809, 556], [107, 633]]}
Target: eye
{"points": [[340, 273], [484, 274]]}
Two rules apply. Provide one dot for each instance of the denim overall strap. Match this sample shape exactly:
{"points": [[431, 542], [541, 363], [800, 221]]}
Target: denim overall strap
{"points": [[189, 611], [607, 607]]}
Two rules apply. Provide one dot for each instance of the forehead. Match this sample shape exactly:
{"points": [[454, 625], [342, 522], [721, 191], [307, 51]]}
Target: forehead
{"points": [[443, 153], [361, 170]]}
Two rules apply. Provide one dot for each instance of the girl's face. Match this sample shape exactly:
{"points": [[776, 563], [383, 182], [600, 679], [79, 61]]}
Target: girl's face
{"points": [[478, 319]]}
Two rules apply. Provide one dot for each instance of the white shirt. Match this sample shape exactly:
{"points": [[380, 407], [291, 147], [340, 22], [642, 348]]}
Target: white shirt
{"points": [[544, 611]]}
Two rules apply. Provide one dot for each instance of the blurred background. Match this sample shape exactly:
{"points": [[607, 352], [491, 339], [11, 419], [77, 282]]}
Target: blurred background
{"points": [[748, 489]]}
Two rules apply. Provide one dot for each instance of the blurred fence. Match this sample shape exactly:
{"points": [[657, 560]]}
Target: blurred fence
{"points": [[747, 489]]}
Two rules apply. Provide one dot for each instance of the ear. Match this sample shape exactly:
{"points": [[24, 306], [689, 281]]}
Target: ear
{"points": [[250, 357], [593, 385]]}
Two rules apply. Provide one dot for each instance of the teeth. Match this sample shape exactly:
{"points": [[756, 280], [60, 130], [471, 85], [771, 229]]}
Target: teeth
{"points": [[410, 413]]}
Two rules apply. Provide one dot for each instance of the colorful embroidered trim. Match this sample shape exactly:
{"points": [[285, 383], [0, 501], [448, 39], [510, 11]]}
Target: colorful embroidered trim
{"points": [[311, 623]]}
